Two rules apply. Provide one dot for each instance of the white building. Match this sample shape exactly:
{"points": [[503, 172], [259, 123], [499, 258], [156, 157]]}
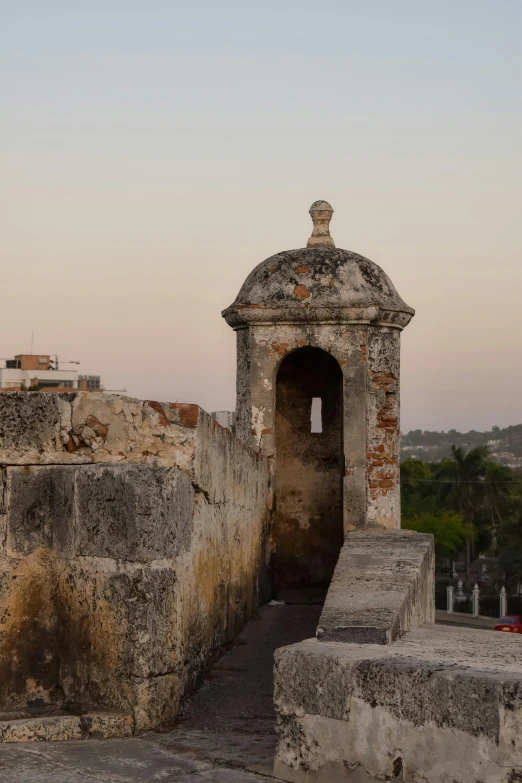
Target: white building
{"points": [[225, 418], [26, 371]]}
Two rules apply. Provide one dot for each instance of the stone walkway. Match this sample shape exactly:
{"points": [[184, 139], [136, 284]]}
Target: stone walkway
{"points": [[226, 736]]}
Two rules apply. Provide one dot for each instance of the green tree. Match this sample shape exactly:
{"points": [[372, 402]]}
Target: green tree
{"points": [[417, 495], [462, 487], [448, 529], [499, 483], [509, 534], [484, 495]]}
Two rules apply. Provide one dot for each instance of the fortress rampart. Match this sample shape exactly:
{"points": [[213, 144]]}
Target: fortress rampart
{"points": [[133, 546]]}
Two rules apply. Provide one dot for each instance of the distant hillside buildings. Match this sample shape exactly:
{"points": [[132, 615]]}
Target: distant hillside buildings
{"points": [[505, 445]]}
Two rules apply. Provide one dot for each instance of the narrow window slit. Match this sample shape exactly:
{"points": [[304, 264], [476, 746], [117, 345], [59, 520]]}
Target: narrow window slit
{"points": [[316, 416]]}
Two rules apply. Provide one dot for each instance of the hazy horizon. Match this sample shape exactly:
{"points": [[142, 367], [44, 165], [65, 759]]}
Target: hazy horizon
{"points": [[154, 153]]}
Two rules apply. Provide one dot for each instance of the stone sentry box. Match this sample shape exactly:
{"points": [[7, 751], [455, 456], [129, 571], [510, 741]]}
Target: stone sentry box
{"points": [[381, 693], [321, 322]]}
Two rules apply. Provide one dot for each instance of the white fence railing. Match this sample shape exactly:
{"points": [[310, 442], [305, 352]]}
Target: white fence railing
{"points": [[453, 597]]}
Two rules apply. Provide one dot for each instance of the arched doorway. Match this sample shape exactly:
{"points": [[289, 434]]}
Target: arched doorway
{"points": [[308, 526]]}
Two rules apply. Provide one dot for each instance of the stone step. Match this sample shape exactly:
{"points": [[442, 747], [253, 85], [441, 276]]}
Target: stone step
{"points": [[102, 724]]}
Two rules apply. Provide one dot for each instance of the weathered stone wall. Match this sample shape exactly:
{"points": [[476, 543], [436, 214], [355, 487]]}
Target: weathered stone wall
{"points": [[80, 428], [440, 705], [369, 359], [133, 544], [243, 397], [383, 433]]}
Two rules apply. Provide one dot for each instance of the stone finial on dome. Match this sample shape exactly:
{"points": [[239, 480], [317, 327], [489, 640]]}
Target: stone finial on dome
{"points": [[321, 213]]}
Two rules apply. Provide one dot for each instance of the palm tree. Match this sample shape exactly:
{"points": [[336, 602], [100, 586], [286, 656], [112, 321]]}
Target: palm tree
{"points": [[463, 487], [499, 481]]}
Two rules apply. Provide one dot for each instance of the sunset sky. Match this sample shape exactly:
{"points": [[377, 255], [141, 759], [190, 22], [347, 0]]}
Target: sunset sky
{"points": [[152, 153]]}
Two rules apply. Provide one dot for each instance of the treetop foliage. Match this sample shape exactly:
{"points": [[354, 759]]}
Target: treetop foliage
{"points": [[469, 503]]}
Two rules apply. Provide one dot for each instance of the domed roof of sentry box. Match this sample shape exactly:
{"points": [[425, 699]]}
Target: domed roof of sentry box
{"points": [[318, 283]]}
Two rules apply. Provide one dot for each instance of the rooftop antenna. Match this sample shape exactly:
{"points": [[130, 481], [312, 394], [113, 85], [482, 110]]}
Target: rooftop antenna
{"points": [[64, 361], [32, 340]]}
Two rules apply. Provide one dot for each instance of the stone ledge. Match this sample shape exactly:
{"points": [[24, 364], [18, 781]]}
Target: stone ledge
{"points": [[382, 586], [442, 704], [92, 427], [100, 725]]}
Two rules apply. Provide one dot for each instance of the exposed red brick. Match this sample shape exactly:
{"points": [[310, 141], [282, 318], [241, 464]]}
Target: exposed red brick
{"points": [[382, 380], [159, 410], [71, 446], [266, 432], [302, 269], [301, 292], [384, 475], [280, 348], [188, 414], [99, 428], [386, 483]]}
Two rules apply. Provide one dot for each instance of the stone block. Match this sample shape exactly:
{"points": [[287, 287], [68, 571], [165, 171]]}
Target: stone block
{"points": [[32, 424], [157, 700], [132, 512], [40, 509], [116, 624], [83, 427], [99, 725], [29, 654], [115, 429], [382, 586], [440, 704], [128, 512]]}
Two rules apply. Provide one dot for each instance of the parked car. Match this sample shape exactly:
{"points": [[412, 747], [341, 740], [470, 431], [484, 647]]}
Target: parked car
{"points": [[512, 624]]}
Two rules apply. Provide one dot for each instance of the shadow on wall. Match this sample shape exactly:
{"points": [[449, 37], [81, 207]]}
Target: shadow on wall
{"points": [[308, 528]]}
